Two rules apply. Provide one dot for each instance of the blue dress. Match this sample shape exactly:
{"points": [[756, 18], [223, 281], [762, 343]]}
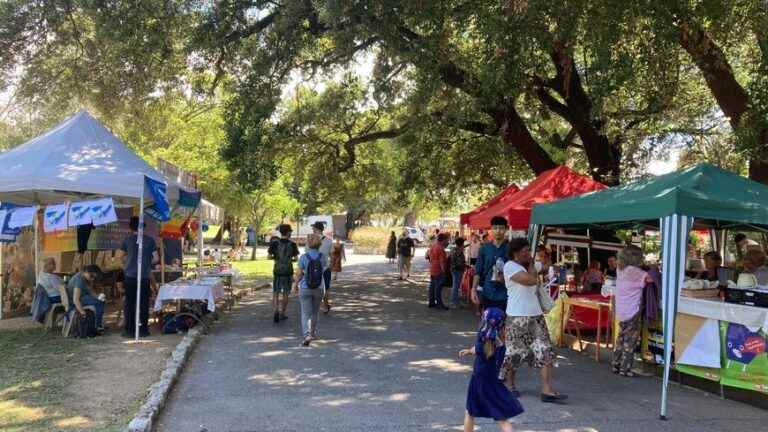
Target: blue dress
{"points": [[487, 396]]}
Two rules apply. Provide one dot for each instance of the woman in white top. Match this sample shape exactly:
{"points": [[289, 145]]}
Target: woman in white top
{"points": [[527, 337]]}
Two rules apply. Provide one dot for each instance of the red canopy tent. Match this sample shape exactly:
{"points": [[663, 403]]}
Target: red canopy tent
{"points": [[551, 185], [505, 194]]}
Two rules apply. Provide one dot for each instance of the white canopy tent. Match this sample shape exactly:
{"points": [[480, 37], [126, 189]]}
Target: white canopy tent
{"points": [[77, 160]]}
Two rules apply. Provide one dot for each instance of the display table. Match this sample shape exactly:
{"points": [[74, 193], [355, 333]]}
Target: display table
{"points": [[205, 288], [589, 316], [603, 310], [749, 316]]}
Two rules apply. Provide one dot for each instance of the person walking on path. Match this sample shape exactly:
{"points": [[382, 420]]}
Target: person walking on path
{"points": [[487, 396], [149, 257], [438, 267], [527, 337], [630, 283], [392, 248], [458, 265], [488, 289], [406, 249], [326, 244], [309, 284], [284, 252], [337, 256]]}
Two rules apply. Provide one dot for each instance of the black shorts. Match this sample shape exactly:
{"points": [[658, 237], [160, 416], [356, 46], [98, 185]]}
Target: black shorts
{"points": [[472, 261], [486, 303]]}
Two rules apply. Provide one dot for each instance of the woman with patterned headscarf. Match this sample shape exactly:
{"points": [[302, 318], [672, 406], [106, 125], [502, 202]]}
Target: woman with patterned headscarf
{"points": [[487, 396]]}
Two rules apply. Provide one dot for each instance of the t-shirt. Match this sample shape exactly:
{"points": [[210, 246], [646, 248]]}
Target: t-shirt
{"points": [[521, 299], [486, 261], [78, 281], [304, 264], [405, 246], [273, 249], [50, 282], [437, 260], [630, 282], [131, 248], [325, 249]]}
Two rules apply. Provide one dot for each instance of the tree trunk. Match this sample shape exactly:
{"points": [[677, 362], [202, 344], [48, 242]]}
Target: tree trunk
{"points": [[731, 97], [517, 137]]}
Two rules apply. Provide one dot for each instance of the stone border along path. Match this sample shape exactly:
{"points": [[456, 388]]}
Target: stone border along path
{"points": [[159, 391]]}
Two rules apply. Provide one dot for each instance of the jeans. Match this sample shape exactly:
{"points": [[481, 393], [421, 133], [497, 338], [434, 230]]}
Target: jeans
{"points": [[129, 306], [54, 299], [87, 300], [457, 275], [309, 300], [436, 290]]}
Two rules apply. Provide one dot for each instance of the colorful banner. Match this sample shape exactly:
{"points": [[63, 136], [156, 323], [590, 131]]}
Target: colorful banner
{"points": [[103, 237], [178, 224], [745, 361]]}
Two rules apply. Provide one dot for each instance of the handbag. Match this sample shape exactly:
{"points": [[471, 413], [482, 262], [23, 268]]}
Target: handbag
{"points": [[545, 300]]}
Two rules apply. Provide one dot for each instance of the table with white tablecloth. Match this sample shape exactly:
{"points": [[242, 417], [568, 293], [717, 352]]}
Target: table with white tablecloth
{"points": [[204, 288]]}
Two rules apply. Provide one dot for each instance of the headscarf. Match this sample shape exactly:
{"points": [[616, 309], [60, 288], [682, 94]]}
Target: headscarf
{"points": [[490, 326]]}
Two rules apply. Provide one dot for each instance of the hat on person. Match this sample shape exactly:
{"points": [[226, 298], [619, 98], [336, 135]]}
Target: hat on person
{"points": [[490, 326], [319, 225]]}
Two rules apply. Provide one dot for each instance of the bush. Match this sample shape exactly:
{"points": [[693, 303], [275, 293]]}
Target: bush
{"points": [[370, 240]]}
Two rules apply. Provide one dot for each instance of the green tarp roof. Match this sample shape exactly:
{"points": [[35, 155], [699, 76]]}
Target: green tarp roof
{"points": [[715, 197]]}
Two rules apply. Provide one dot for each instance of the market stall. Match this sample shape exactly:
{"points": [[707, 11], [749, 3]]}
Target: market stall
{"points": [[81, 174], [505, 194], [704, 197]]}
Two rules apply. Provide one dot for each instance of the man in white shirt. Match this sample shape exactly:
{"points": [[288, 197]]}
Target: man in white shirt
{"points": [[325, 251], [527, 336]]}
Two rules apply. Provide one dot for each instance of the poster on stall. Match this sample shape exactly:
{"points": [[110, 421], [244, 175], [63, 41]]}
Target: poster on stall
{"points": [[697, 341], [55, 218], [102, 237], [744, 356]]}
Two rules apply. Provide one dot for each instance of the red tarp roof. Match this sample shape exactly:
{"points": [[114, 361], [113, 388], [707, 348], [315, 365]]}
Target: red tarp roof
{"points": [[510, 190], [552, 185]]}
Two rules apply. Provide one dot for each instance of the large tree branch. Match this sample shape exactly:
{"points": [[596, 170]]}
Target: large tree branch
{"points": [[474, 126], [350, 144]]}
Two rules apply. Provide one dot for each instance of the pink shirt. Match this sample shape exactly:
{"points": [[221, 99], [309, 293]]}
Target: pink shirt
{"points": [[630, 282]]}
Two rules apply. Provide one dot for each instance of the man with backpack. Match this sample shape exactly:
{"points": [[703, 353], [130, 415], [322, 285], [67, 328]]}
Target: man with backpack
{"points": [[326, 243], [284, 252], [309, 284]]}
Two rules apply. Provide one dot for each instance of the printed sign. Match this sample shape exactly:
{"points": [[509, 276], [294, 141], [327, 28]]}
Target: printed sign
{"points": [[55, 218]]}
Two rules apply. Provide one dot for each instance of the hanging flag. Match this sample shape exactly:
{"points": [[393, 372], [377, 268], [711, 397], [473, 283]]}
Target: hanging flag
{"points": [[7, 231], [5, 238], [189, 199], [22, 217], [159, 209], [55, 218], [103, 212], [80, 213]]}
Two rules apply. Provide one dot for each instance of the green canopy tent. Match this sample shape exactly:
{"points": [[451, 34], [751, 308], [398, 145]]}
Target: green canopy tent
{"points": [[702, 196]]}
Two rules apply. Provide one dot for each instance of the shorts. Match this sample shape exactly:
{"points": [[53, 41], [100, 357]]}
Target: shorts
{"points": [[282, 284], [403, 262], [526, 340]]}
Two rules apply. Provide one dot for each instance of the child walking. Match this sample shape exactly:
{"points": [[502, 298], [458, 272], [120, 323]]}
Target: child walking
{"points": [[487, 396]]}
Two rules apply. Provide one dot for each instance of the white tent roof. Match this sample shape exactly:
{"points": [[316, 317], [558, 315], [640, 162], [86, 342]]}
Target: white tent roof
{"points": [[76, 159]]}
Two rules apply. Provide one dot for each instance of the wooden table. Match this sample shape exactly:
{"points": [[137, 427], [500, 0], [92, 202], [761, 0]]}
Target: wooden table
{"points": [[599, 306]]}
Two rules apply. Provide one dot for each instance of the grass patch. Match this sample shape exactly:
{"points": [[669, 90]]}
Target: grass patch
{"points": [[36, 370], [261, 268]]}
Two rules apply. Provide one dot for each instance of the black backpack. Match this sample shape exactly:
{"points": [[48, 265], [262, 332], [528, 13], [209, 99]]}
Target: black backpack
{"points": [[84, 326], [315, 272], [284, 258]]}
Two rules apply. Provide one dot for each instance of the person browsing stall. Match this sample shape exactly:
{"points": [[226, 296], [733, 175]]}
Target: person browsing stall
{"points": [[149, 257]]}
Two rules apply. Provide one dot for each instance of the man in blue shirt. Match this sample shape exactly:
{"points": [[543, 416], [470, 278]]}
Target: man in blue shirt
{"points": [[149, 256], [488, 288]]}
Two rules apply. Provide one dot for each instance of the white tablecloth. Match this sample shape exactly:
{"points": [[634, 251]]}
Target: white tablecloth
{"points": [[750, 316], [206, 288]]}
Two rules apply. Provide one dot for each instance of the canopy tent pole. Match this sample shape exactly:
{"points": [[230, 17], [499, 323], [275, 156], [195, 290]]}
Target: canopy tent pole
{"points": [[140, 242], [36, 227], [200, 237], [162, 261], [674, 237], [589, 249]]}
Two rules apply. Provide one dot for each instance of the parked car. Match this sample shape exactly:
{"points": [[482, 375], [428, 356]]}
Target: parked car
{"points": [[416, 234]]}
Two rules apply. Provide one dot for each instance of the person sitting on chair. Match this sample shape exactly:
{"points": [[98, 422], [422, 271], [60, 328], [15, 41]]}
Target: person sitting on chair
{"points": [[79, 289], [52, 283]]}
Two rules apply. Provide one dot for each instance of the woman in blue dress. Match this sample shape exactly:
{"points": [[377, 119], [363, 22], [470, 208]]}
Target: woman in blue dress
{"points": [[487, 396]]}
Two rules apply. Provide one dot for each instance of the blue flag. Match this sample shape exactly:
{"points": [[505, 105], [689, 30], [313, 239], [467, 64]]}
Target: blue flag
{"points": [[159, 209], [189, 199]]}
